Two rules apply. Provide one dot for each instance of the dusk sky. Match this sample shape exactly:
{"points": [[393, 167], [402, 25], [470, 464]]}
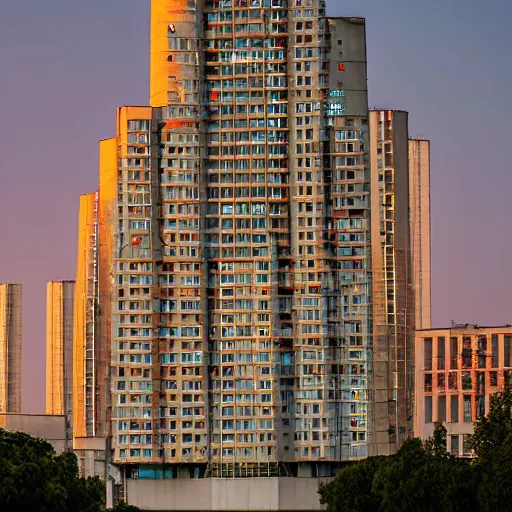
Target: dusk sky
{"points": [[66, 65]]}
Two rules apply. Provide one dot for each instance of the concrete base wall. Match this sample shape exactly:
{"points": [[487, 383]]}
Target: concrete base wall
{"points": [[201, 495], [51, 428]]}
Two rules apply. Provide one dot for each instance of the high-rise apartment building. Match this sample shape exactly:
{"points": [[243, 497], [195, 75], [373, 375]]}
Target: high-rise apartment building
{"points": [[10, 347], [419, 199], [224, 286], [234, 257], [59, 349]]}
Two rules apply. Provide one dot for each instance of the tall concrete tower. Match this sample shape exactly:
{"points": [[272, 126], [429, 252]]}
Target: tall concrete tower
{"points": [[419, 192], [10, 347], [59, 347]]}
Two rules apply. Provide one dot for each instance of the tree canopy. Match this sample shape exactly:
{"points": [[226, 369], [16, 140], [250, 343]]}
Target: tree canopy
{"points": [[423, 477], [34, 479]]}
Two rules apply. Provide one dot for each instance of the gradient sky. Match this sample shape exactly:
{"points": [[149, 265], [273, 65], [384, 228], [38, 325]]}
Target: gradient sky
{"points": [[66, 65]]}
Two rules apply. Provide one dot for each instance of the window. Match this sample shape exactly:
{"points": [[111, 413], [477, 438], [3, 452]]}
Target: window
{"points": [[467, 382], [482, 351], [507, 341], [427, 353], [428, 409], [441, 408], [441, 385], [466, 352], [454, 408], [454, 445], [495, 351], [428, 382], [453, 353], [465, 445], [468, 414], [440, 353]]}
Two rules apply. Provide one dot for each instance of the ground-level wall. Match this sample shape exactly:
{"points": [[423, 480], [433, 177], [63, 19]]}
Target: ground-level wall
{"points": [[51, 428], [251, 494]]}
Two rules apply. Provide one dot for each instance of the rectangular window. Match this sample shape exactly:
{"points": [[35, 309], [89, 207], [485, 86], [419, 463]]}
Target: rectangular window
{"points": [[428, 409], [440, 352], [482, 351], [480, 406], [427, 353], [467, 381], [495, 351], [453, 353], [506, 378], [454, 445], [441, 384], [467, 352], [465, 445], [507, 341], [454, 408], [428, 382], [441, 408], [468, 414]]}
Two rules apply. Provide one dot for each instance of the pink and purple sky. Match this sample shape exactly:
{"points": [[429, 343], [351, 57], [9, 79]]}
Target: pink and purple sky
{"points": [[67, 65]]}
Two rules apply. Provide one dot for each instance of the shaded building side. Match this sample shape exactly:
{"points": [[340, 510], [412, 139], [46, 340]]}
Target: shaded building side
{"points": [[392, 297]]}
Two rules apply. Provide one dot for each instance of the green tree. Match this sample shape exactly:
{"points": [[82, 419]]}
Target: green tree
{"points": [[419, 478], [34, 479], [351, 490], [491, 431], [492, 444]]}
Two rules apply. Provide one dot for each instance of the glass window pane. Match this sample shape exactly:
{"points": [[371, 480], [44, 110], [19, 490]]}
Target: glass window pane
{"points": [[427, 351]]}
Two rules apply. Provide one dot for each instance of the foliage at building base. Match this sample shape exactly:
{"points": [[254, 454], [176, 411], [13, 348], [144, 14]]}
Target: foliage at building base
{"points": [[423, 477], [34, 479]]}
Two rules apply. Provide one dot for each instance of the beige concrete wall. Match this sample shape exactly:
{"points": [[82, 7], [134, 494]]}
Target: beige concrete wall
{"points": [[51, 428], [59, 347], [419, 196], [254, 494]]}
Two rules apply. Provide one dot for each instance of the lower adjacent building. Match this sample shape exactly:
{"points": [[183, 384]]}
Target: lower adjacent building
{"points": [[49, 427], [457, 371]]}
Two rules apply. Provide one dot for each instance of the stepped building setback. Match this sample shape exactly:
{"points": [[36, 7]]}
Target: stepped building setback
{"points": [[225, 301]]}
